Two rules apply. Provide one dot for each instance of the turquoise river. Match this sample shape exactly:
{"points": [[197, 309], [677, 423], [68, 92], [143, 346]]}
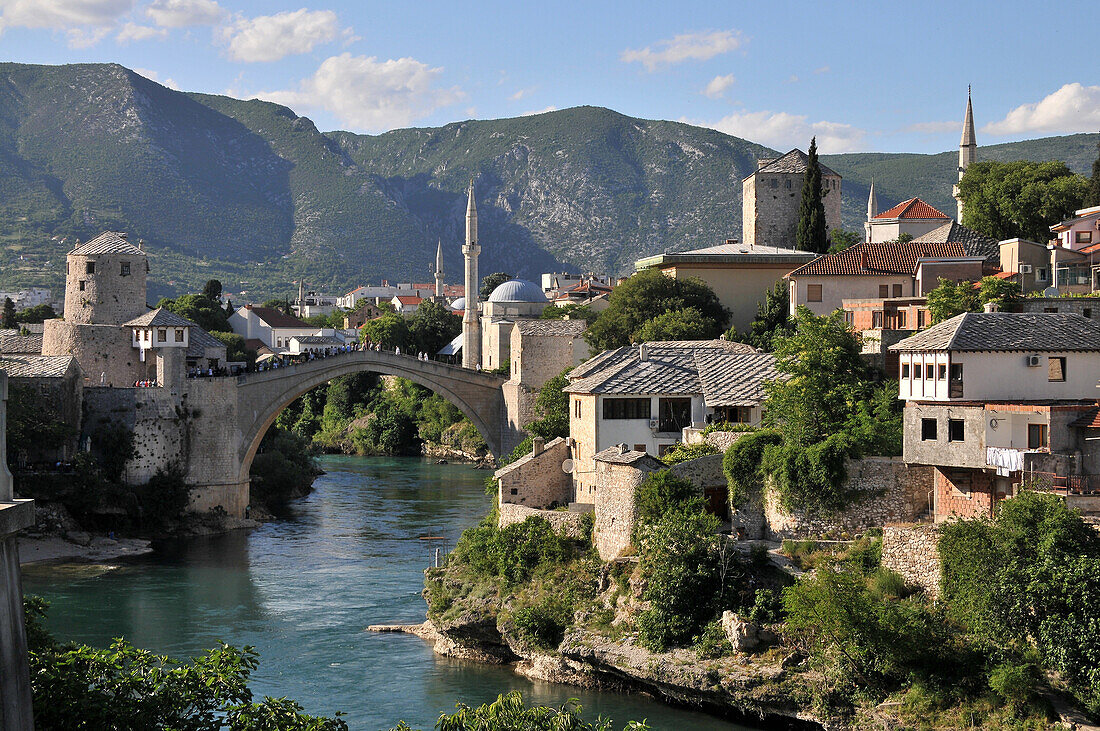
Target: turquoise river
{"points": [[303, 590]]}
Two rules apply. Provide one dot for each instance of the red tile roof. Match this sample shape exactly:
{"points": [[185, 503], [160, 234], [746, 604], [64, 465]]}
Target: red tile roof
{"points": [[1002, 275], [912, 208], [1089, 420], [1089, 249], [883, 259], [409, 300]]}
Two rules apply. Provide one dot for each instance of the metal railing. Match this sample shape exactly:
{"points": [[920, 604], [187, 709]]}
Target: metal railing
{"points": [[1061, 484]]}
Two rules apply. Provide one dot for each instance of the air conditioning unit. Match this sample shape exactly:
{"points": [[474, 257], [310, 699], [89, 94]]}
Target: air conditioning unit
{"points": [[1033, 361], [1025, 269], [653, 424]]}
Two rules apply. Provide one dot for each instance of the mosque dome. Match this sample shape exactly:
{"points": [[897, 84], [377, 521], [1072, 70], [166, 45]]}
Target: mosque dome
{"points": [[518, 290], [459, 304]]}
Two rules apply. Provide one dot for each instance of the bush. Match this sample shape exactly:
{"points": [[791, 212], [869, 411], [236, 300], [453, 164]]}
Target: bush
{"points": [[741, 464], [514, 552], [165, 496], [543, 624], [1016, 684], [712, 642], [685, 452], [661, 494]]}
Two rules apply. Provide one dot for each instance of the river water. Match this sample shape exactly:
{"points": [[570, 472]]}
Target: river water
{"points": [[304, 589]]}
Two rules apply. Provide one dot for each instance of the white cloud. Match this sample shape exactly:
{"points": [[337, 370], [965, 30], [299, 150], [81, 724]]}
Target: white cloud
{"points": [[717, 86], [822, 70], [792, 79], [544, 110], [933, 128], [271, 37], [522, 93], [85, 37], [67, 14], [783, 131], [368, 94], [154, 76], [684, 47], [183, 13], [135, 32], [1073, 108]]}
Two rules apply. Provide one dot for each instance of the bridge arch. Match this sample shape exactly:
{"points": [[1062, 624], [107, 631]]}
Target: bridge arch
{"points": [[262, 396]]}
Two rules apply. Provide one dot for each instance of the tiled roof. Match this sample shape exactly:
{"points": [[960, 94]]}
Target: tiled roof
{"points": [[316, 340], [794, 161], [512, 466], [616, 455], [200, 341], [36, 366], [257, 345], [912, 208], [973, 243], [277, 318], [890, 258], [1089, 420], [557, 328], [724, 373], [20, 343], [1007, 331], [108, 242], [407, 299], [160, 317]]}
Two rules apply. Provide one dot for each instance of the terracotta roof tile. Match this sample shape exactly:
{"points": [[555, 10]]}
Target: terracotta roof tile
{"points": [[912, 208], [882, 259]]}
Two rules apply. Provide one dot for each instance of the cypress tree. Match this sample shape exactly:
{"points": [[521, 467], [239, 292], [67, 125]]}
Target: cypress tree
{"points": [[812, 235], [1092, 196], [7, 319]]}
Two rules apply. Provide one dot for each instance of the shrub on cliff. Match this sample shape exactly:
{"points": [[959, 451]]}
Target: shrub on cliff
{"points": [[513, 552], [509, 713], [686, 452]]}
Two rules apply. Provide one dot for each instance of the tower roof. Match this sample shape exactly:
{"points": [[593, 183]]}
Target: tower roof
{"points": [[471, 207], [872, 202], [108, 242], [968, 139], [795, 161]]}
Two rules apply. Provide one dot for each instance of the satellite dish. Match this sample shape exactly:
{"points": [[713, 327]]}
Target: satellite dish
{"points": [[993, 423], [1050, 292], [567, 466]]}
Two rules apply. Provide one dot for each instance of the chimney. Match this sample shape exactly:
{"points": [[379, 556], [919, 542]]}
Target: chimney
{"points": [[537, 445], [643, 356], [248, 306], [623, 449], [731, 242], [991, 307]]}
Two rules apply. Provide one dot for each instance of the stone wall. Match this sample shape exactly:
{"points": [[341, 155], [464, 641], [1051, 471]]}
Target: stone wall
{"points": [[966, 493], [565, 522], [616, 512], [61, 398], [105, 352], [913, 552], [106, 296], [894, 493], [537, 479]]}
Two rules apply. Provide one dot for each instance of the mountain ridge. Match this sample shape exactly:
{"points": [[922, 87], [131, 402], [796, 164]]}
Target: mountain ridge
{"points": [[252, 193]]}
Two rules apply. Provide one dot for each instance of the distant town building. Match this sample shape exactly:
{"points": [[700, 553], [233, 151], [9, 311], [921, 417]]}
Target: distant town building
{"points": [[771, 195], [1073, 254], [270, 326], [739, 273], [30, 297], [405, 304]]}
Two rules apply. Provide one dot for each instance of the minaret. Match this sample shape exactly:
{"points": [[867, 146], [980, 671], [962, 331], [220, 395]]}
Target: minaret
{"points": [[301, 297], [968, 151], [439, 270], [872, 210], [471, 325]]}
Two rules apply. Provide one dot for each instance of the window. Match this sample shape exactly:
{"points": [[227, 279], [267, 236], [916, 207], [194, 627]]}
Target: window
{"points": [[904, 370], [162, 335], [639, 448], [849, 318], [1082, 237], [955, 431], [1050, 310], [1041, 274], [876, 319], [775, 182], [89, 268], [884, 290], [928, 430], [1037, 436], [813, 292], [124, 269], [922, 318], [901, 319], [179, 334], [897, 290], [788, 185], [675, 414], [82, 285], [929, 371], [1087, 313], [955, 387], [625, 408], [1056, 369], [733, 414], [577, 408], [941, 372]]}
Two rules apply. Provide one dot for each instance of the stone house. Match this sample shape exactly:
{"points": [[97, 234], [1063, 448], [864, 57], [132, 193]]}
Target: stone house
{"points": [[771, 195], [739, 274], [645, 396], [361, 316], [539, 351], [58, 383], [997, 400], [618, 471]]}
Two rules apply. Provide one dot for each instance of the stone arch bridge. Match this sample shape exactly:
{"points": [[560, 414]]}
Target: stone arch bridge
{"points": [[239, 411]]}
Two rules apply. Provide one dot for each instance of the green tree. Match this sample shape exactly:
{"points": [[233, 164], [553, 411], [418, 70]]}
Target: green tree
{"points": [[1023, 199], [212, 289], [773, 319], [685, 324], [812, 234], [7, 318], [38, 313], [491, 282], [32, 424], [509, 713], [235, 349], [390, 330], [649, 294], [205, 312], [954, 298], [572, 311], [282, 305], [1092, 195], [552, 405], [840, 239], [432, 326], [662, 493]]}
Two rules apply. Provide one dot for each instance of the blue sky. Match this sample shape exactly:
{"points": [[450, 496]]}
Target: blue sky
{"points": [[860, 76]]}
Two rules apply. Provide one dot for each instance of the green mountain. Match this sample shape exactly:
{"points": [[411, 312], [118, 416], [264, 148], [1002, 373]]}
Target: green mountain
{"points": [[251, 193]]}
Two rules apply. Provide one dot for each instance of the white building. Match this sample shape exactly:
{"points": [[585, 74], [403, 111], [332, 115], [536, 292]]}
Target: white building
{"points": [[406, 304], [270, 326]]}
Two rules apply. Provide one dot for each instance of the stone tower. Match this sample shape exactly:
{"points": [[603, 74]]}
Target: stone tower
{"points": [[968, 152], [872, 210], [439, 270], [770, 198], [471, 325]]}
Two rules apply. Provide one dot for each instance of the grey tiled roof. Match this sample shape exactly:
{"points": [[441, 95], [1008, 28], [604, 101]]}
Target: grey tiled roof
{"points": [[20, 343], [975, 331], [108, 242], [559, 328], [37, 366], [794, 161], [201, 341], [725, 374], [160, 317], [615, 455], [974, 243], [316, 340]]}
